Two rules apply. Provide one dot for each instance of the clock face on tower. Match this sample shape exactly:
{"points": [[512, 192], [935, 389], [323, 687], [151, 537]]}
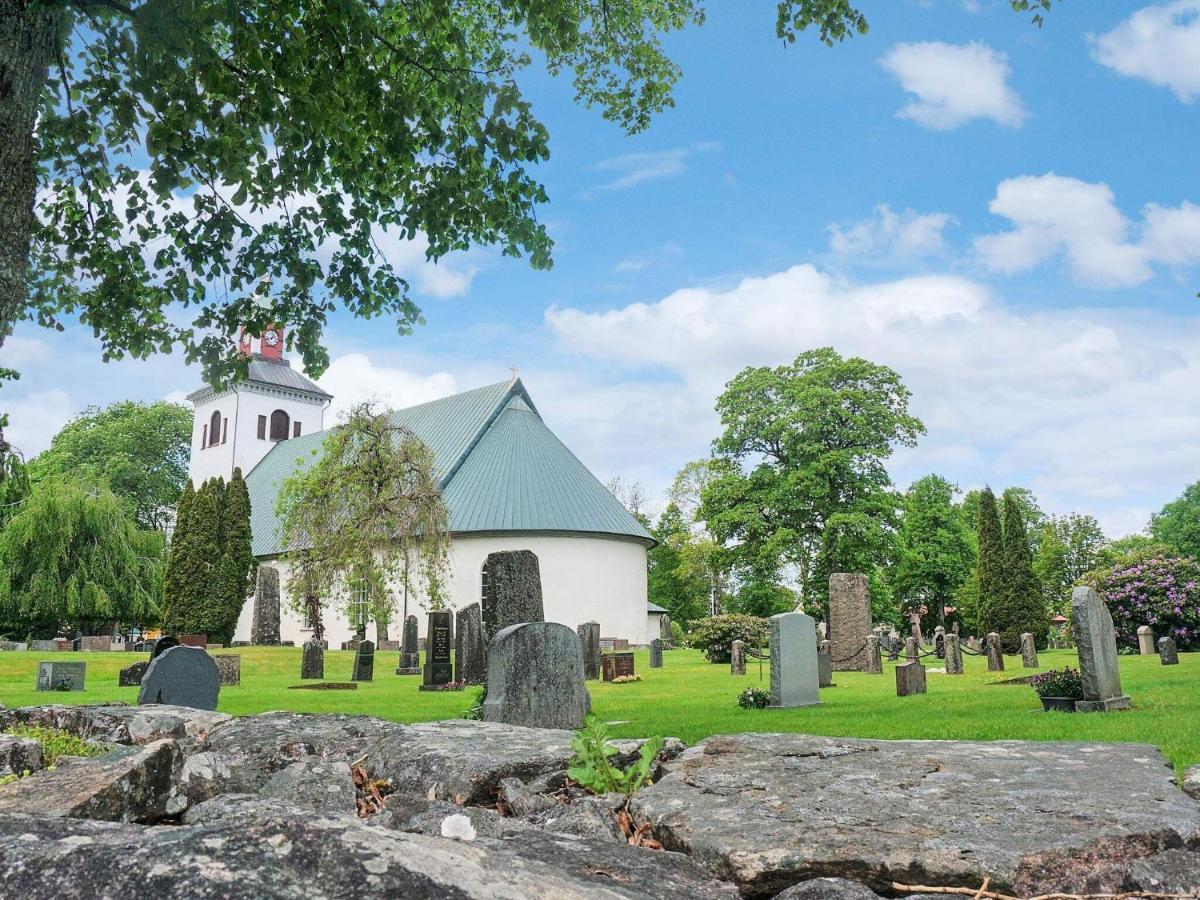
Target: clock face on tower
{"points": [[246, 339], [272, 338]]}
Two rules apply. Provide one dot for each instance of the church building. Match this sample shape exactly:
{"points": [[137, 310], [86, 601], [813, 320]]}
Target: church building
{"points": [[507, 481]]}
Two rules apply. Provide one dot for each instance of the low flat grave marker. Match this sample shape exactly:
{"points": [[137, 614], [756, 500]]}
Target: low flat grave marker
{"points": [[325, 686], [61, 676], [910, 678], [616, 665]]}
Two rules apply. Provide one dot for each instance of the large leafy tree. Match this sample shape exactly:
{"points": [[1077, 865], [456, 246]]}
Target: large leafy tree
{"points": [[1178, 524], [806, 445], [935, 549], [140, 451], [71, 555], [672, 582], [702, 553], [14, 483], [366, 515], [1068, 547]]}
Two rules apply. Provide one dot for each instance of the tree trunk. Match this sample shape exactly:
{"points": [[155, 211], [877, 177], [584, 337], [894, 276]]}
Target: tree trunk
{"points": [[28, 44]]}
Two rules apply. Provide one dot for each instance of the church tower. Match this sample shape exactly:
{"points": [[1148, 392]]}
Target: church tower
{"points": [[237, 426]]}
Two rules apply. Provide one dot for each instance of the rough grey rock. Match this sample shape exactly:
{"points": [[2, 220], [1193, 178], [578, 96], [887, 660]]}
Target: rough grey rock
{"points": [[587, 817], [1174, 871], [1191, 782], [524, 800], [769, 810], [19, 754], [828, 889], [277, 850], [118, 723], [535, 677], [512, 590], [264, 621], [130, 784], [326, 785], [182, 676], [427, 816]]}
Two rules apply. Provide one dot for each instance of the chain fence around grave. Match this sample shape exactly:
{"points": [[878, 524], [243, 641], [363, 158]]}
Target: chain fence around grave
{"points": [[893, 655]]}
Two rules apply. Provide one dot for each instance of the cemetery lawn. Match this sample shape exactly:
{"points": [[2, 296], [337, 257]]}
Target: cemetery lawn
{"points": [[691, 699]]}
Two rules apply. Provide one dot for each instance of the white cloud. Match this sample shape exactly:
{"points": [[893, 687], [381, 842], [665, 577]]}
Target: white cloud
{"points": [[1037, 398], [954, 83], [354, 378], [36, 417], [1053, 215], [1160, 44], [630, 169], [889, 234], [639, 262]]}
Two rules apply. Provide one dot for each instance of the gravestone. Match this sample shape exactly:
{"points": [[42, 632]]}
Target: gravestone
{"points": [[512, 590], [874, 657], [1096, 642], [954, 657], [939, 642], [44, 646], [410, 656], [616, 665], [229, 668], [849, 621], [995, 652], [264, 618], [737, 658], [824, 665], [1145, 636], [61, 676], [1028, 651], [656, 650], [312, 664], [131, 676], [96, 643], [912, 648], [194, 640], [439, 669], [795, 679], [163, 644], [10, 646], [915, 619], [589, 637], [182, 676], [910, 678], [470, 650], [664, 630], [535, 677], [388, 646], [364, 662], [1167, 651]]}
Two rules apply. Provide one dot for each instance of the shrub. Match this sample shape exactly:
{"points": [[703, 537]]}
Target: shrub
{"points": [[1156, 590], [715, 635], [677, 635], [56, 743], [1059, 683], [591, 767], [754, 698]]}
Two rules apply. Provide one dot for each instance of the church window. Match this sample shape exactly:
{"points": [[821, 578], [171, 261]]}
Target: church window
{"points": [[358, 608], [280, 422], [262, 428], [214, 429], [225, 429], [204, 440], [295, 429]]}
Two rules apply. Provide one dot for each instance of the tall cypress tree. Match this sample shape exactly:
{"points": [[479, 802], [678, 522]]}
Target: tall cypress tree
{"points": [[234, 577], [192, 607], [1024, 606], [991, 562], [173, 579]]}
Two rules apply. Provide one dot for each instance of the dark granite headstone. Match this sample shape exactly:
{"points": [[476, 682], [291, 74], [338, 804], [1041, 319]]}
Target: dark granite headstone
{"points": [[313, 663], [163, 644], [229, 665], [61, 676], [512, 590], [470, 650], [616, 665], [1167, 651], [182, 676], [264, 623], [95, 643], [364, 662], [589, 637], [656, 650], [131, 676], [535, 677], [410, 657], [439, 669]]}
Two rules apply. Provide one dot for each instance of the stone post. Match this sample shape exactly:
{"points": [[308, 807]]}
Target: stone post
{"points": [[737, 658], [589, 637], [954, 657], [1167, 651], [656, 650], [910, 678], [1096, 641], [912, 648], [1145, 636], [1028, 651], [874, 657], [824, 664], [264, 621], [795, 680], [470, 651], [995, 652], [849, 621]]}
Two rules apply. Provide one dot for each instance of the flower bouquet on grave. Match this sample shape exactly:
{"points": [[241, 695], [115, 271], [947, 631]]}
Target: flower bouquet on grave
{"points": [[1059, 689], [754, 698]]}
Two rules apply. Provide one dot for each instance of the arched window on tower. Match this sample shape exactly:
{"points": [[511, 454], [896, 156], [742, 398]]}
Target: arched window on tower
{"points": [[214, 429], [280, 423]]}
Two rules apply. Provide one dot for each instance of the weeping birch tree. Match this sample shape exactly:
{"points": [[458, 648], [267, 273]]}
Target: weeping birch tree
{"points": [[363, 517]]}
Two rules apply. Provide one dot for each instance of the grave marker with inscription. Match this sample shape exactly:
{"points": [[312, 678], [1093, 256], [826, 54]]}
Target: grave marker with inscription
{"points": [[439, 668]]}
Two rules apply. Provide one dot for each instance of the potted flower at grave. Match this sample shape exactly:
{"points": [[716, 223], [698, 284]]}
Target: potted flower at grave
{"points": [[1059, 689]]}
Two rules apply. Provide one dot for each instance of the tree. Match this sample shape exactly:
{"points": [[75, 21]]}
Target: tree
{"points": [[71, 554], [140, 451], [671, 582], [632, 496], [805, 445], [367, 514], [14, 483], [702, 553], [1068, 547], [1178, 523], [1023, 608], [235, 571], [990, 574], [194, 602], [935, 549]]}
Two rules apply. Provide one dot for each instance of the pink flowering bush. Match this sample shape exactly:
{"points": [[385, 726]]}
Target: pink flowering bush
{"points": [[1156, 590]]}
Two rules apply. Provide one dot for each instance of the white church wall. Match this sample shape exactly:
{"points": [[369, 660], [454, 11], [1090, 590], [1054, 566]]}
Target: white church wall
{"points": [[584, 579]]}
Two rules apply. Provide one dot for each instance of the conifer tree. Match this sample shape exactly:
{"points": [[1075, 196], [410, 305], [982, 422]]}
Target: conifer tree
{"points": [[1023, 607], [173, 577], [991, 562], [193, 606], [238, 572]]}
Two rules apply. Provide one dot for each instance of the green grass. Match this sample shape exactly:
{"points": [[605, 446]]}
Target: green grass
{"points": [[691, 699]]}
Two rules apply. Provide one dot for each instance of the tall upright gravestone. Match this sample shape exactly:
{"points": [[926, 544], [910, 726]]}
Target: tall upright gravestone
{"points": [[439, 641], [1029, 657], [589, 637], [849, 621], [795, 680], [264, 623], [312, 663], [874, 656], [410, 655], [656, 651], [664, 630], [364, 662], [954, 659], [470, 649], [1145, 636], [1096, 640], [535, 677], [512, 590]]}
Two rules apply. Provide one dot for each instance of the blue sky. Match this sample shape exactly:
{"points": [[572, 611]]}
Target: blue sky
{"points": [[1007, 215]]}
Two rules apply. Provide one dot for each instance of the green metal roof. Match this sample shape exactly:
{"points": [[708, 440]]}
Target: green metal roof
{"points": [[500, 467]]}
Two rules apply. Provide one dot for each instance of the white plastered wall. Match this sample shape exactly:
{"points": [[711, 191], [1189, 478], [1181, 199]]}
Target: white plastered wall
{"points": [[584, 578]]}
